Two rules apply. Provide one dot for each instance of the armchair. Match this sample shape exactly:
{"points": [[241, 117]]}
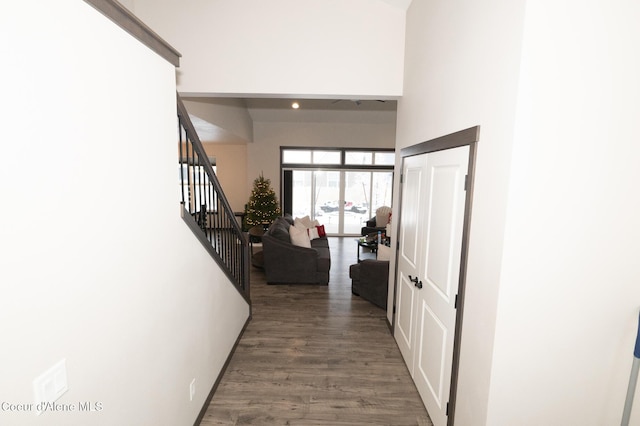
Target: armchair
{"points": [[378, 222], [371, 227], [370, 280]]}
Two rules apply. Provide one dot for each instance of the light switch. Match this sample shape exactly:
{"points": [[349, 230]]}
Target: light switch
{"points": [[52, 384], [192, 389]]}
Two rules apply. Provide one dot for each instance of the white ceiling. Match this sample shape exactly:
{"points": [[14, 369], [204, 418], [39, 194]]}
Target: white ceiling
{"points": [[310, 111], [208, 132], [321, 110]]}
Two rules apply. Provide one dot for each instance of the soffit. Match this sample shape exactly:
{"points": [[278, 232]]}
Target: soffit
{"points": [[322, 111]]}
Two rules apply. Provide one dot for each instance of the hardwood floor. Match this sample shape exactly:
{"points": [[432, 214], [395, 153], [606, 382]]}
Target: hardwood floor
{"points": [[316, 355]]}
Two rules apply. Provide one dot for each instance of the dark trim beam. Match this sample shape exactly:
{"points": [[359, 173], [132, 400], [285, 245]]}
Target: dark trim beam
{"points": [[134, 26], [453, 140]]}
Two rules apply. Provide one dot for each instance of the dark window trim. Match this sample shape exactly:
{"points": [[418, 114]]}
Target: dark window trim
{"points": [[341, 166], [329, 167], [320, 167]]}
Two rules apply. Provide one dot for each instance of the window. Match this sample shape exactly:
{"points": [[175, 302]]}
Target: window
{"points": [[378, 158], [358, 157], [294, 156], [384, 158], [339, 187], [326, 157]]}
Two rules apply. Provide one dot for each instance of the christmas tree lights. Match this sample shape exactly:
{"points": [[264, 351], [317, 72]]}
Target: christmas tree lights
{"points": [[263, 206]]}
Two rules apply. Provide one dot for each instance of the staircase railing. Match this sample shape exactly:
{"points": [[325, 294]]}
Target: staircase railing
{"points": [[205, 208]]}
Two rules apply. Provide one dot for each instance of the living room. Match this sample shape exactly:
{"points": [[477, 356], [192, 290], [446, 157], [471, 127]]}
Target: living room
{"points": [[243, 152]]}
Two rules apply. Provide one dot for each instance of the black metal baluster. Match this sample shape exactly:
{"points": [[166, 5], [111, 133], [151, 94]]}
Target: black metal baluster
{"points": [[189, 190], [180, 162], [208, 205]]}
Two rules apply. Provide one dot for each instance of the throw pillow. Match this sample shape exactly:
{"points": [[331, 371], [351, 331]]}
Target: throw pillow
{"points": [[299, 237], [321, 231], [384, 252], [382, 216], [313, 233], [306, 221]]}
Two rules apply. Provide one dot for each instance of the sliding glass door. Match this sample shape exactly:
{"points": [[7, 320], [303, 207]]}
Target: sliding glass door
{"points": [[315, 193], [339, 187], [357, 198], [341, 200]]}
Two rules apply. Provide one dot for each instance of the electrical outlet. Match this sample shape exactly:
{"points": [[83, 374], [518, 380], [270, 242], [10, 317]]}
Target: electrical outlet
{"points": [[192, 389], [52, 384]]}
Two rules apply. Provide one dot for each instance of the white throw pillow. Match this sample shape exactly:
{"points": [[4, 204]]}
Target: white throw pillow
{"points": [[313, 233], [384, 252], [299, 237], [306, 221], [382, 216]]}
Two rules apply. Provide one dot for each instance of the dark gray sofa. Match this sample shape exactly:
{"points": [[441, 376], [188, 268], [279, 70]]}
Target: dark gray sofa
{"points": [[286, 263]]}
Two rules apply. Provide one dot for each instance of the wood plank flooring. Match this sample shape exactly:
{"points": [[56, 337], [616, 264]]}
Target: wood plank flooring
{"points": [[316, 355]]}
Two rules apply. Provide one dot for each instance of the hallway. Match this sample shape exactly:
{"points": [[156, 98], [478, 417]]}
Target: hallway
{"points": [[316, 355]]}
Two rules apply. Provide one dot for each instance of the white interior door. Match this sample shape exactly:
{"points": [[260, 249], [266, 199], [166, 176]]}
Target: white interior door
{"points": [[409, 255], [426, 308]]}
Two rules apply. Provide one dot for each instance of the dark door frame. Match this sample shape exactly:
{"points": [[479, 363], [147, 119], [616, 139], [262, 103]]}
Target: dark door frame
{"points": [[468, 137]]}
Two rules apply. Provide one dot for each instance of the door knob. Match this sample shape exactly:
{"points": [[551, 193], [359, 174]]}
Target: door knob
{"points": [[415, 281]]}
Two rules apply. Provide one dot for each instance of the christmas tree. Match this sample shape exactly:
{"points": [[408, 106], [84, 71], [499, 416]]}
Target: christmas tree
{"points": [[263, 205]]}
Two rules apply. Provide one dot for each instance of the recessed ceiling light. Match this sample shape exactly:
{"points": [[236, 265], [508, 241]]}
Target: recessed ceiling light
{"points": [[295, 105]]}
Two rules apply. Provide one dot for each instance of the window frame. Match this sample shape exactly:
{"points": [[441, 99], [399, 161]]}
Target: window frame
{"points": [[342, 165]]}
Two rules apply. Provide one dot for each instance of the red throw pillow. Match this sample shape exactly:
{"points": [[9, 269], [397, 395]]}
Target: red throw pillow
{"points": [[321, 231]]}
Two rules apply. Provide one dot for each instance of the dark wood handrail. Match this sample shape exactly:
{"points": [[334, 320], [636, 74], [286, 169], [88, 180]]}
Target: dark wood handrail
{"points": [[199, 148], [206, 209]]}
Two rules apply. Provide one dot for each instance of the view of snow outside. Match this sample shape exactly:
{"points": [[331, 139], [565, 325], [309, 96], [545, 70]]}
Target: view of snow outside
{"points": [[321, 195]]}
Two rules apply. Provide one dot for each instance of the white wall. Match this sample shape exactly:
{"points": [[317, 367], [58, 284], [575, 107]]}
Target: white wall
{"points": [[570, 289], [231, 171], [281, 47], [230, 118], [552, 288], [97, 266], [461, 70]]}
